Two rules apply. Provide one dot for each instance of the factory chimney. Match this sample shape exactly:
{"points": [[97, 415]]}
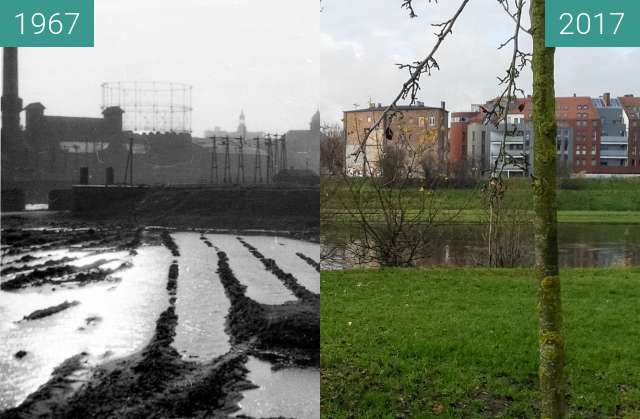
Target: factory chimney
{"points": [[11, 103]]}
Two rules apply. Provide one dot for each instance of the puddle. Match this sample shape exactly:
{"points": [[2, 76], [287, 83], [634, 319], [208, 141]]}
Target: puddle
{"points": [[36, 207], [201, 303], [283, 251], [289, 392], [121, 317], [108, 257], [262, 286], [42, 256]]}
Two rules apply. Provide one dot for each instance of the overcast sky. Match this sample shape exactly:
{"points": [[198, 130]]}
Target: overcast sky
{"points": [[362, 40], [260, 56]]}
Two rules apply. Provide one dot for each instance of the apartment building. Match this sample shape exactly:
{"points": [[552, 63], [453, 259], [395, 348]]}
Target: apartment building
{"points": [[419, 130], [595, 135]]}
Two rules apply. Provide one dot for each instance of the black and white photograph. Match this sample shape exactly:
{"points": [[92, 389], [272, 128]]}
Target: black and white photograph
{"points": [[160, 215]]}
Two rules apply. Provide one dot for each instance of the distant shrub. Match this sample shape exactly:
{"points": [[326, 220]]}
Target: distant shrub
{"points": [[572, 184]]}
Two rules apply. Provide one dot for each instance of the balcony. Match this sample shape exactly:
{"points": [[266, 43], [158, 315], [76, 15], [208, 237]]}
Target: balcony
{"points": [[614, 140], [613, 152]]}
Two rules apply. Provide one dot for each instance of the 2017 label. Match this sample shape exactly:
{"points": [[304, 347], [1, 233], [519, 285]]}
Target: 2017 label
{"points": [[592, 23], [583, 23]]}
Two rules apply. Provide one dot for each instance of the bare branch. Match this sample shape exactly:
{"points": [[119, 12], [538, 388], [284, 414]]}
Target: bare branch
{"points": [[515, 15], [416, 70]]}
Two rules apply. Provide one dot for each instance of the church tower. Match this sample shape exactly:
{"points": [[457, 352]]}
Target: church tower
{"points": [[242, 126], [315, 122]]}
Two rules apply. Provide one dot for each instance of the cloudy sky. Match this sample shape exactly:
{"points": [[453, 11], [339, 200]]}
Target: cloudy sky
{"points": [[260, 56], [362, 40]]}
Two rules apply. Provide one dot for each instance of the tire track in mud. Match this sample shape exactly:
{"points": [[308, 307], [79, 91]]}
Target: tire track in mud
{"points": [[155, 382], [26, 241], [287, 334], [64, 274], [147, 373], [14, 269], [58, 271], [289, 281], [309, 261]]}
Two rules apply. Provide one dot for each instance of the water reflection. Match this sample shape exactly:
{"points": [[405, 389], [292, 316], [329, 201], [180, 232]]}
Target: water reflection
{"points": [[289, 392], [580, 245], [201, 303], [116, 319], [283, 250], [262, 286]]}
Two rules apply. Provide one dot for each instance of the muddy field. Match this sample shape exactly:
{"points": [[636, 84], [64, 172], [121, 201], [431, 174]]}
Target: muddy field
{"points": [[123, 321]]}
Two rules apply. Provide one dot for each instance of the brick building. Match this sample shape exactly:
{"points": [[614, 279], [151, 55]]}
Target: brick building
{"points": [[631, 107], [459, 145], [419, 130], [595, 135]]}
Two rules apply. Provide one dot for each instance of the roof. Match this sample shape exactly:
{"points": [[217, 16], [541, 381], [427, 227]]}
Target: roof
{"points": [[467, 117], [399, 108], [568, 107], [631, 105], [35, 105]]}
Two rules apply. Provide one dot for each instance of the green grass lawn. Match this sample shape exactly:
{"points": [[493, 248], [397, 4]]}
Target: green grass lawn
{"points": [[462, 343]]}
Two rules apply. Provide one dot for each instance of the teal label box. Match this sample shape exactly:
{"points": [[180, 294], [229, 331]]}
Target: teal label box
{"points": [[46, 23], [592, 23]]}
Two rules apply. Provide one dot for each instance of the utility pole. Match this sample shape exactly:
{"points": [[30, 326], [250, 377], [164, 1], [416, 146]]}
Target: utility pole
{"points": [[275, 155], [214, 160], [131, 161], [240, 172], [227, 161], [269, 158], [257, 171], [283, 150]]}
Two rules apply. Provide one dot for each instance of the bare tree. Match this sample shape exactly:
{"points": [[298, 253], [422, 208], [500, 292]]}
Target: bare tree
{"points": [[332, 150], [507, 218], [394, 209]]}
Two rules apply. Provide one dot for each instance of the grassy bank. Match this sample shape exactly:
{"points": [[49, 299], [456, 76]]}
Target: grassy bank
{"points": [[462, 343], [597, 195]]}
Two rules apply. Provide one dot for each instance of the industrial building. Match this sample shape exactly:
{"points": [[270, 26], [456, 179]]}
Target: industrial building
{"points": [[145, 128], [303, 146]]}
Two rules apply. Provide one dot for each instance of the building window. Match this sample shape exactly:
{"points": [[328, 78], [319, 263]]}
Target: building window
{"points": [[432, 121]]}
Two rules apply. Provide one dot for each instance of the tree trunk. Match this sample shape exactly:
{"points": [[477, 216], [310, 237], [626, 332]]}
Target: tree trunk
{"points": [[550, 341]]}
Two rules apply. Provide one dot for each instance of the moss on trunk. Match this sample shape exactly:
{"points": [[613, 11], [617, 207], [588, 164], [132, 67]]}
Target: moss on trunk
{"points": [[551, 344]]}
